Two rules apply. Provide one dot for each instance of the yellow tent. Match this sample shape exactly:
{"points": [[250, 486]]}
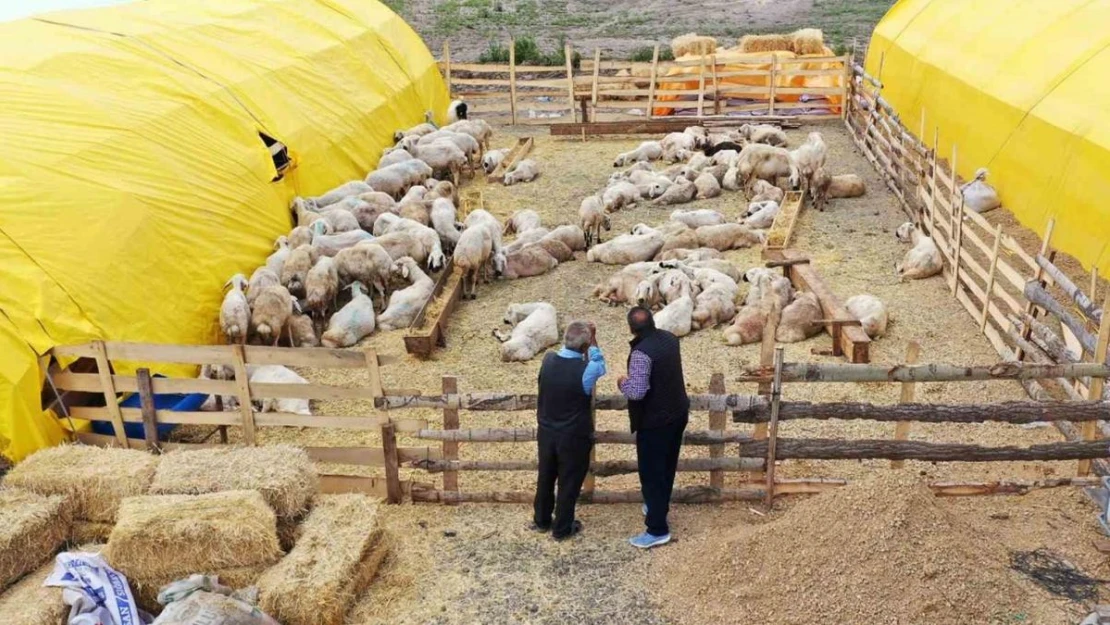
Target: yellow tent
{"points": [[134, 178], [1020, 87]]}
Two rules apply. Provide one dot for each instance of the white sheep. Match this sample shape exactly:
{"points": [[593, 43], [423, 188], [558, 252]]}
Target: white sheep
{"points": [[702, 259], [643, 166], [707, 185], [465, 142], [528, 261], [799, 319], [726, 237], [681, 192], [392, 180], [471, 257], [485, 219], [321, 286], [277, 374], [571, 236], [685, 239], [405, 303], [276, 261], [808, 158], [526, 170], [621, 287], [626, 249], [558, 250], [493, 158], [353, 322], [747, 326], [418, 211], [368, 263], [345, 190], [664, 287], [978, 195], [444, 157], [534, 329], [340, 220], [235, 312], [432, 251], [765, 162], [592, 218], [479, 129], [620, 194], [724, 158], [330, 245], [763, 190], [418, 130], [761, 215], [714, 306], [521, 221], [299, 236], [871, 312], [763, 133], [414, 194], [444, 189], [698, 218], [401, 244], [767, 286], [676, 317], [646, 151], [302, 331], [687, 254], [445, 222], [923, 260], [260, 279], [675, 144], [526, 238], [271, 310], [295, 271]]}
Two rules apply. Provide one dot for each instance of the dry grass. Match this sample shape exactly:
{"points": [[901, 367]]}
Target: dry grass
{"points": [[766, 43], [808, 41], [31, 603], [693, 43], [283, 474], [337, 554], [167, 535], [32, 528], [85, 532], [95, 479]]}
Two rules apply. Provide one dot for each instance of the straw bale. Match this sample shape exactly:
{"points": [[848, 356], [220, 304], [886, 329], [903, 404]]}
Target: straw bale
{"points": [[178, 535], [283, 474], [808, 41], [90, 532], [338, 553], [767, 43], [289, 531], [31, 603], [146, 590], [693, 43], [96, 479], [32, 528]]}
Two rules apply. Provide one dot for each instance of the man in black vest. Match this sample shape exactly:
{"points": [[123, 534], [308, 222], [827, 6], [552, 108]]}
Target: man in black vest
{"points": [[658, 409], [565, 434]]}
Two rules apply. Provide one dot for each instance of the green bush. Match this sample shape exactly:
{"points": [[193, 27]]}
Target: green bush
{"points": [[645, 54], [528, 52]]}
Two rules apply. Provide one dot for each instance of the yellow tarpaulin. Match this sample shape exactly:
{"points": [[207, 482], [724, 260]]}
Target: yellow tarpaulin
{"points": [[134, 181], [1019, 87]]}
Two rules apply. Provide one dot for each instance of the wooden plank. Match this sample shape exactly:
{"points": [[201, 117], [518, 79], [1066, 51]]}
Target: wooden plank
{"points": [[107, 387], [373, 373], [1094, 391], [221, 354], [601, 437], [782, 229], [718, 420], [344, 484], [512, 79], [989, 291], [570, 79], [88, 382], [148, 409], [902, 429], [392, 464], [509, 402], [450, 422], [701, 88], [651, 85], [1038, 275], [447, 66], [597, 77], [838, 372], [262, 419], [425, 335], [244, 394], [371, 456], [773, 430], [771, 111]]}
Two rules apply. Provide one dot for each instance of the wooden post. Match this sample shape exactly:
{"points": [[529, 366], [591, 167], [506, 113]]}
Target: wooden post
{"points": [[150, 412], [902, 428], [991, 275], [933, 184], [590, 483], [374, 372], [597, 77], [716, 87], [766, 358], [718, 420], [104, 370], [392, 464], [772, 441], [570, 81], [953, 190], [450, 422], [846, 93], [651, 85], [771, 93], [1094, 391], [701, 87], [957, 245], [1038, 275], [512, 79], [242, 382], [447, 67]]}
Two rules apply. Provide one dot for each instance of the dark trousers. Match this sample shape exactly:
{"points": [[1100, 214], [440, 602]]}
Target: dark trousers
{"points": [[564, 459], [657, 452]]}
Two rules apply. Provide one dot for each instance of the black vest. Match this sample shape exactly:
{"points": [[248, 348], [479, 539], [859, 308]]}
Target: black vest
{"points": [[666, 401], [563, 406]]}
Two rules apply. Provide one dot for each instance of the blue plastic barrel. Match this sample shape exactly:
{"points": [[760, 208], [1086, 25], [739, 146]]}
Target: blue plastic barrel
{"points": [[175, 402]]}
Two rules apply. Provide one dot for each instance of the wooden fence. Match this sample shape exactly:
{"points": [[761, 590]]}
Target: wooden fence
{"points": [[693, 86], [1005, 288]]}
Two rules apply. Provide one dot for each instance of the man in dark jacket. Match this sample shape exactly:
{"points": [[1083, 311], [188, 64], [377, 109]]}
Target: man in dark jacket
{"points": [[565, 434], [659, 410]]}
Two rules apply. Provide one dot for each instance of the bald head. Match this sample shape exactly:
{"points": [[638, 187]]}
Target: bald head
{"points": [[640, 320]]}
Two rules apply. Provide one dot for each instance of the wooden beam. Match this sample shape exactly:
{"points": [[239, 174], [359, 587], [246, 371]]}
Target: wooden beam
{"points": [[392, 464], [1013, 412], [989, 291], [718, 421], [104, 370], [1037, 295], [902, 428], [1081, 300], [570, 79], [597, 75], [836, 372], [512, 79], [773, 430], [603, 468], [602, 437], [1094, 391], [882, 449], [510, 402], [1038, 277], [691, 494], [450, 422], [651, 86], [244, 394], [148, 408]]}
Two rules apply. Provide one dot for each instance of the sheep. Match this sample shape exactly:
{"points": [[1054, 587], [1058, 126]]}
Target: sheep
{"points": [[698, 218], [724, 157], [592, 218], [627, 174], [747, 326], [808, 158], [345, 190], [681, 192], [353, 322], [456, 111], [471, 256], [394, 156], [923, 260], [676, 317], [235, 312], [675, 143], [401, 244], [557, 249], [321, 286], [763, 133], [717, 171], [278, 374], [260, 279], [764, 162], [531, 260], [654, 187], [299, 236], [301, 331], [526, 238], [275, 261], [417, 211], [444, 222], [724, 143], [493, 158], [766, 285], [845, 186], [271, 311], [526, 170], [444, 157], [367, 262], [407, 302], [484, 219], [444, 189], [391, 180], [467, 144], [571, 236], [621, 286], [684, 240], [521, 221], [799, 319], [731, 180], [702, 260], [646, 151], [432, 249], [419, 130], [534, 329], [707, 186], [414, 194], [978, 195], [295, 272], [478, 129], [763, 190], [713, 306], [664, 287], [340, 220], [625, 249], [619, 195], [871, 312], [701, 253], [330, 245], [667, 229], [761, 215], [726, 237]]}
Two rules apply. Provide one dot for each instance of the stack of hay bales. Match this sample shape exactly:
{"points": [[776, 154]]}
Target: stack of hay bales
{"points": [[31, 603], [32, 529], [337, 556], [806, 41], [159, 539], [94, 480], [284, 475], [693, 43]]}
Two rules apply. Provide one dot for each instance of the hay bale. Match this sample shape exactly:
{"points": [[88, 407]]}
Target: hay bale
{"points": [[95, 479], [31, 603], [693, 43], [337, 555], [283, 474], [159, 536], [808, 41], [766, 43], [289, 531], [32, 528], [85, 532]]}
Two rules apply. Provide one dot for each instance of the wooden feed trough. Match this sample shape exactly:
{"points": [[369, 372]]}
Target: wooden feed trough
{"points": [[520, 150], [428, 329], [778, 236]]}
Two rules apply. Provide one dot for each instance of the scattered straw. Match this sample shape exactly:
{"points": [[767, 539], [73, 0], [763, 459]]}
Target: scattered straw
{"points": [[95, 479], [283, 474], [32, 528], [766, 43], [693, 43], [336, 557], [289, 531], [177, 535], [90, 532], [31, 603], [808, 41]]}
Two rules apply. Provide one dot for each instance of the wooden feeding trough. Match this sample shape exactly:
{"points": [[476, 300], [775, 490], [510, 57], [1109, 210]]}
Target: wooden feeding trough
{"points": [[848, 338], [778, 236], [428, 329], [520, 150]]}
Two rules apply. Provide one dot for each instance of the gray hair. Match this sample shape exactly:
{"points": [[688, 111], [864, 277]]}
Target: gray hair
{"points": [[577, 336]]}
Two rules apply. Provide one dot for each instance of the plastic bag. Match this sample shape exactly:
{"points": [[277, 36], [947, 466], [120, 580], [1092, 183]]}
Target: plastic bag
{"points": [[96, 593], [202, 600], [980, 196]]}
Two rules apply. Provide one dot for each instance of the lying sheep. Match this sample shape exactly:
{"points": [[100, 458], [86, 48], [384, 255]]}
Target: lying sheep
{"points": [[714, 306], [571, 236], [528, 261], [923, 260], [271, 311], [676, 317], [696, 254], [296, 269], [718, 264], [321, 287], [593, 218], [621, 287], [707, 185], [235, 312], [646, 151], [684, 240], [731, 181], [979, 196], [799, 319], [534, 329], [522, 220], [405, 303], [664, 287], [556, 248], [698, 218], [676, 143], [871, 312], [766, 286], [277, 374], [653, 187], [808, 158], [260, 279], [526, 238], [763, 190], [353, 322], [626, 249], [302, 332], [681, 192], [472, 257], [620, 194], [765, 162], [747, 326], [368, 263], [627, 174], [526, 170], [761, 215], [724, 158], [726, 237], [763, 133]]}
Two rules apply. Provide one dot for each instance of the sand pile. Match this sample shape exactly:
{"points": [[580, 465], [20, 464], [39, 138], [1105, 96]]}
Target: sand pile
{"points": [[876, 551]]}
